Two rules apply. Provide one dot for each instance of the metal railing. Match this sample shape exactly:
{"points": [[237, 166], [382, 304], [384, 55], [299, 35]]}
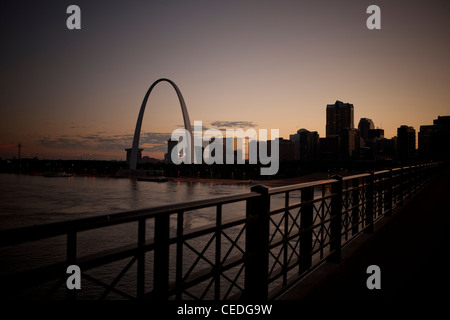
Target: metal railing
{"points": [[256, 251]]}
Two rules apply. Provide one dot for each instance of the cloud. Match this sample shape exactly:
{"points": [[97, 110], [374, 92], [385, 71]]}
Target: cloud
{"points": [[5, 145], [74, 125], [151, 141], [233, 124]]}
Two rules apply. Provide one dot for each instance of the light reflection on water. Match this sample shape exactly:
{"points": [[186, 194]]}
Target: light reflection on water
{"points": [[28, 200], [34, 200]]}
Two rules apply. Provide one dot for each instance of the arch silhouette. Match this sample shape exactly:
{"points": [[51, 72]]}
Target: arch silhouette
{"points": [[137, 131]]}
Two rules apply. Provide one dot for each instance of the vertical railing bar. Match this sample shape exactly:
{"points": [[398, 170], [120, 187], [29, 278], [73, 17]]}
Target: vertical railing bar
{"points": [[218, 251], [380, 194], [324, 213], [141, 259], [179, 255], [355, 211], [388, 193], [323, 196], [285, 244], [400, 186], [335, 223], [370, 203], [348, 215], [306, 221], [161, 256]]}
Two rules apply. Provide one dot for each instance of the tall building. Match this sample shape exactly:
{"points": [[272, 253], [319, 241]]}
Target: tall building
{"points": [[329, 148], [349, 144], [170, 145], [339, 116], [375, 134], [286, 149], [406, 143], [364, 126], [306, 145], [384, 149], [434, 140]]}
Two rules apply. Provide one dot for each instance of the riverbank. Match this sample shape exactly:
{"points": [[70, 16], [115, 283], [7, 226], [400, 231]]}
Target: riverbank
{"points": [[267, 182]]}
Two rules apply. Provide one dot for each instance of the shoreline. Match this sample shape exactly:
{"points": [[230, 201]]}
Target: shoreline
{"points": [[267, 182]]}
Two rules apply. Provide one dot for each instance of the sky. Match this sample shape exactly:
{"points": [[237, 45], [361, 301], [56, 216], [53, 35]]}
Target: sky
{"points": [[76, 94]]}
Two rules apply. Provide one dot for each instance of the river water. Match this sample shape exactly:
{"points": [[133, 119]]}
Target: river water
{"points": [[29, 200], [34, 200]]}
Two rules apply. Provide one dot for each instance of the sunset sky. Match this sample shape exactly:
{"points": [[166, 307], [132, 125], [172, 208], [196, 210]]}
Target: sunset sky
{"points": [[75, 94]]}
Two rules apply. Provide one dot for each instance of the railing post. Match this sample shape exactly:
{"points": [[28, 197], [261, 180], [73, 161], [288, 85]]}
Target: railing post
{"points": [[356, 206], [141, 259], [336, 220], [401, 186], [161, 256], [370, 193], [410, 182], [379, 192], [306, 221], [257, 245], [388, 193], [218, 257]]}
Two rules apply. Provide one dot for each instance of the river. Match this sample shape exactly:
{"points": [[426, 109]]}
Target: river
{"points": [[34, 200], [29, 200]]}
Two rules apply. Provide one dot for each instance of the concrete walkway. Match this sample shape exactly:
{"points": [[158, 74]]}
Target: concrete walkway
{"points": [[411, 247]]}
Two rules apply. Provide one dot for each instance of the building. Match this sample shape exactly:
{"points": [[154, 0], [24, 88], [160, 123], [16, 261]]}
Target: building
{"points": [[349, 144], [384, 149], [406, 144], [329, 148], [375, 134], [434, 140], [306, 145], [364, 126], [170, 145], [339, 116], [286, 150]]}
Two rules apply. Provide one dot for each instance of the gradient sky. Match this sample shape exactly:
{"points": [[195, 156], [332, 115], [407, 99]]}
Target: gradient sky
{"points": [[75, 94]]}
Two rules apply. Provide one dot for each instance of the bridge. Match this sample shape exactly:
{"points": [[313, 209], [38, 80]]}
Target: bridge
{"points": [[300, 241]]}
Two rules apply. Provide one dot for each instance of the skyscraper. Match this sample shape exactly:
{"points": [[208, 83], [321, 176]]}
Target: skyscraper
{"points": [[364, 126], [434, 140], [170, 145], [306, 145], [339, 117], [349, 144], [406, 143]]}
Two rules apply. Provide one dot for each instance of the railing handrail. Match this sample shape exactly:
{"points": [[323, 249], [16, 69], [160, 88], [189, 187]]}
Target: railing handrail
{"points": [[318, 183]]}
